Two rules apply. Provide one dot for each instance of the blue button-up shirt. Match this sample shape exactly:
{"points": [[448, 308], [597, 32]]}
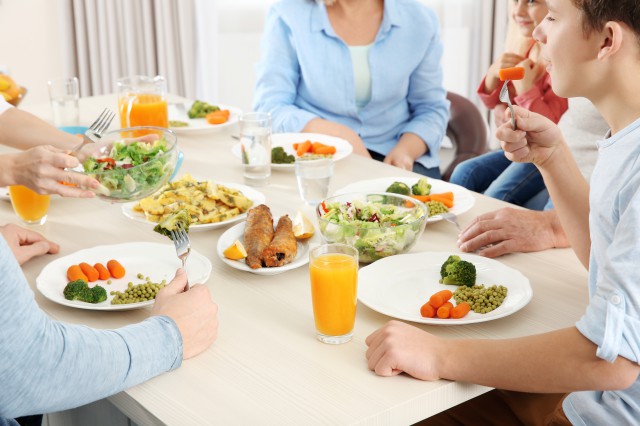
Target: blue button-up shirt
{"points": [[306, 72]]}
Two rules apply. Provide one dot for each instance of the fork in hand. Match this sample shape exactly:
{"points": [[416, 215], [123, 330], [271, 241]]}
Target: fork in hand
{"points": [[451, 218], [97, 129], [182, 244], [504, 97]]}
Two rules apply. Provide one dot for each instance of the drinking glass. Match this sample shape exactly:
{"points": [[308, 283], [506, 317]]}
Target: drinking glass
{"points": [[64, 95], [255, 140], [313, 179], [30, 206], [333, 269], [142, 101]]}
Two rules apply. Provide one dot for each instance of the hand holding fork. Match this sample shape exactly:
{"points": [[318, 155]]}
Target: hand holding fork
{"points": [[183, 246]]}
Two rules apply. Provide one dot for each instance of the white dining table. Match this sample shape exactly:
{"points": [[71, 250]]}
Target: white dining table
{"points": [[266, 366]]}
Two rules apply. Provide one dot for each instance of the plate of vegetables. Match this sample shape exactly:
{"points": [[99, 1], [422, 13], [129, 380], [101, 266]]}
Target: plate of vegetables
{"points": [[286, 147], [455, 198], [201, 117], [145, 265], [400, 287]]}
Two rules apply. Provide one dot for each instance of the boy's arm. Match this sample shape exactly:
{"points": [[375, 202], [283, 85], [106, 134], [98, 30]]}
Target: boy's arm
{"points": [[559, 361], [539, 141]]}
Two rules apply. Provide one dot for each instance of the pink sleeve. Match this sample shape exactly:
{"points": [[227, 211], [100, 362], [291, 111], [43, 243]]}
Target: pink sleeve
{"points": [[541, 99], [490, 100]]}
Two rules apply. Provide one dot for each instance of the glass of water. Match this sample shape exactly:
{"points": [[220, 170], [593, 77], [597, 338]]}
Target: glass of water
{"points": [[64, 94], [255, 146], [314, 176]]}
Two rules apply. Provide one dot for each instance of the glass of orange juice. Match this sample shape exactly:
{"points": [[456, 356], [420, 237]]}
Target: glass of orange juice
{"points": [[334, 283], [142, 101], [30, 206]]}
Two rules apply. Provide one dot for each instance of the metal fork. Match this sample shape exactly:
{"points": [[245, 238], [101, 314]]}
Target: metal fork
{"points": [[183, 246], [451, 218], [504, 97], [97, 129]]}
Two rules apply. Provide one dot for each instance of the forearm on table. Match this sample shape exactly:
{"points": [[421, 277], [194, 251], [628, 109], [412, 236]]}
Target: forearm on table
{"points": [[570, 194], [22, 130], [6, 170], [556, 362], [412, 144]]}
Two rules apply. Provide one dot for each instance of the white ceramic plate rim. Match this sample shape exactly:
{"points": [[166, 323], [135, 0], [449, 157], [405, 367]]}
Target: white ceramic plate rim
{"points": [[286, 140], [197, 125], [254, 195], [397, 286], [237, 231], [158, 261], [463, 199], [4, 193]]}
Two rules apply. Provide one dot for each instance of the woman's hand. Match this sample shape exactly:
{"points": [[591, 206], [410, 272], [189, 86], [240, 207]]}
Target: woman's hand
{"points": [[26, 244], [409, 147], [331, 128], [43, 170]]}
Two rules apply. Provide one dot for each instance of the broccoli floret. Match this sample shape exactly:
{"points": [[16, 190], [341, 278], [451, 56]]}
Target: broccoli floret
{"points": [[443, 269], [280, 156], [80, 290], [422, 187], [73, 289], [200, 109], [171, 223], [458, 272], [399, 188]]}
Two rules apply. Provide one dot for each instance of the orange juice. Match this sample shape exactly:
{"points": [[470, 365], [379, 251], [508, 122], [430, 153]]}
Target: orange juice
{"points": [[143, 110], [334, 282], [29, 205]]}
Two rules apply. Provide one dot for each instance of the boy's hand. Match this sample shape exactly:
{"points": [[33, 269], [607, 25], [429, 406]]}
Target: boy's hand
{"points": [[398, 347], [535, 140], [532, 72]]}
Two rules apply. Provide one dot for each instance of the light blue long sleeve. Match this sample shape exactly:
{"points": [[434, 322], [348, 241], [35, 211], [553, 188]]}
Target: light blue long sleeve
{"points": [[48, 366], [306, 72]]}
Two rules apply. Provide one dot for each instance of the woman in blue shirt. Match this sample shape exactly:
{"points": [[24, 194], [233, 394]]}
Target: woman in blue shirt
{"points": [[366, 71]]}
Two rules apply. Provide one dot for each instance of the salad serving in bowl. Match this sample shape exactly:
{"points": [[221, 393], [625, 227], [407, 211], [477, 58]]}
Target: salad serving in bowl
{"points": [[130, 168], [377, 224]]}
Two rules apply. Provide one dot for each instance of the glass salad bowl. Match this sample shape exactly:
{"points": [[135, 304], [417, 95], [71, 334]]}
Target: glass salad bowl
{"points": [[130, 163], [377, 224]]}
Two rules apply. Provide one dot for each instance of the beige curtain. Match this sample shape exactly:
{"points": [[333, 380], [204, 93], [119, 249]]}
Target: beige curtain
{"points": [[108, 39]]}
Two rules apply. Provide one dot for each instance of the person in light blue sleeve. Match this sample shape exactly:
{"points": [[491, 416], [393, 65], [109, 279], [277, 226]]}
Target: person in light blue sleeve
{"points": [[366, 71], [43, 362]]}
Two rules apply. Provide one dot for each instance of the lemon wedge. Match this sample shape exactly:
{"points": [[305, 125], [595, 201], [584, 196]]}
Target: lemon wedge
{"points": [[302, 227], [235, 251]]}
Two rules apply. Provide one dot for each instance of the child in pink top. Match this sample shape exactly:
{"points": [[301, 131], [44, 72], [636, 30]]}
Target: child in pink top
{"points": [[492, 173]]}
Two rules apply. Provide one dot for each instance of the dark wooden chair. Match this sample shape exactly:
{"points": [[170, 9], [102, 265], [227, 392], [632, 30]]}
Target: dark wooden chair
{"points": [[467, 130]]}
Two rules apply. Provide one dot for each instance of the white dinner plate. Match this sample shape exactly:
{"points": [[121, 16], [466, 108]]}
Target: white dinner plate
{"points": [[156, 261], [398, 286], [178, 111], [463, 200], [236, 232], [286, 140], [256, 196]]}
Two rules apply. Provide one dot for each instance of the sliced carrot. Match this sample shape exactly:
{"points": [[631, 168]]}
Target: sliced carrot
{"points": [[89, 271], [448, 195], [440, 298], [115, 269], [427, 311], [461, 310], [103, 271], [514, 73], [218, 117], [75, 273], [446, 201], [444, 311], [423, 198], [325, 150], [303, 148]]}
